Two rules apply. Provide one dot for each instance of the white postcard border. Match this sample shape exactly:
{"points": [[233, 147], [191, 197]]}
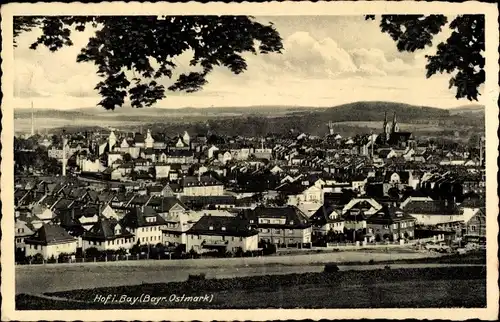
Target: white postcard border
{"points": [[489, 99]]}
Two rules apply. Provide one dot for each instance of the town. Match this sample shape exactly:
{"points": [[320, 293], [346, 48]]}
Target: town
{"points": [[115, 195]]}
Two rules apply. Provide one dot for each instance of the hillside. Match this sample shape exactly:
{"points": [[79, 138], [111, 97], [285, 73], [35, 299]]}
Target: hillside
{"points": [[358, 117]]}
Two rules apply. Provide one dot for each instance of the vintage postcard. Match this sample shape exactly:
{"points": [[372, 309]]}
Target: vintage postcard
{"points": [[248, 161]]}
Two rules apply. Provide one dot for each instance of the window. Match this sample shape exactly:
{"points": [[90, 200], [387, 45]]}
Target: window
{"points": [[251, 221], [290, 231], [211, 228], [241, 239], [223, 228], [473, 228], [386, 227], [277, 231], [291, 222]]}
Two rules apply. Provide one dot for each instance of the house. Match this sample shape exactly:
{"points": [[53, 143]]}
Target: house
{"points": [[283, 226], [107, 234], [201, 186], [430, 212], [177, 224], [43, 213], [145, 224], [475, 227], [167, 206], [23, 230], [327, 218], [355, 219], [222, 234], [209, 202], [391, 223], [369, 206], [300, 191], [50, 240]]}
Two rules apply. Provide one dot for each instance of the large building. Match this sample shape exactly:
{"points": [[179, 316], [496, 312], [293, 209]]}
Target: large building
{"points": [[392, 135]]}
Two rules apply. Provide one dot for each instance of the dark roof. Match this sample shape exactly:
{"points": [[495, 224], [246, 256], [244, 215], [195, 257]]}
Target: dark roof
{"points": [[292, 188], [294, 217], [431, 207], [104, 229], [136, 217], [50, 234], [355, 215], [164, 204], [388, 215], [202, 181], [322, 215], [180, 153], [209, 200], [222, 226]]}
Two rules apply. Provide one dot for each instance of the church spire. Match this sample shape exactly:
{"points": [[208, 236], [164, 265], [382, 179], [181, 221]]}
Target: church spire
{"points": [[385, 121], [395, 126]]}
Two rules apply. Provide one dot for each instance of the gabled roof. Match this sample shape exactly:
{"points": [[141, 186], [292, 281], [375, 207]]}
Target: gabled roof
{"points": [[388, 215], [50, 234], [104, 229], [164, 204], [222, 226], [355, 215], [431, 207], [294, 218], [322, 215], [136, 217]]}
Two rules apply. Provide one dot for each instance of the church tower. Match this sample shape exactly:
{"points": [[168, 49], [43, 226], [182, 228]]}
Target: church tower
{"points": [[387, 127], [395, 125]]}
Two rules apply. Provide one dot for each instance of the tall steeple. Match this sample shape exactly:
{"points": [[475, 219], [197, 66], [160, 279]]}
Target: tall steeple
{"points": [[395, 125], [385, 121]]}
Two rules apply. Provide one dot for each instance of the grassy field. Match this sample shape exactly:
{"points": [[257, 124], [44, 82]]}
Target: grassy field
{"points": [[385, 288]]}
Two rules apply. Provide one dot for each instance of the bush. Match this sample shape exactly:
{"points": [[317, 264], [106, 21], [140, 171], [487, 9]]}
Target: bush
{"points": [[269, 249], [37, 259], [331, 268], [92, 252], [197, 277], [371, 262]]}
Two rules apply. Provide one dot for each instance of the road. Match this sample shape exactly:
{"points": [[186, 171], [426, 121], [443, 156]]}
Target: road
{"points": [[36, 279]]}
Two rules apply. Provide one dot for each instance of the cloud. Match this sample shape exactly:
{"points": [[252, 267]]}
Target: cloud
{"points": [[306, 56], [315, 69]]}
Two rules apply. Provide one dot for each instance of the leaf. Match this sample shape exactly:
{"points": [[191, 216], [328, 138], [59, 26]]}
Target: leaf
{"points": [[133, 42]]}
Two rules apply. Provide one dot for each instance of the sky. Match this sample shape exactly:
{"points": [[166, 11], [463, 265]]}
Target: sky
{"points": [[327, 61]]}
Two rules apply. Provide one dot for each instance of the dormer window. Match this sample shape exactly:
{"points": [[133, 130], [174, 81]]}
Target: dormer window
{"points": [[223, 228], [211, 228], [291, 222], [151, 219]]}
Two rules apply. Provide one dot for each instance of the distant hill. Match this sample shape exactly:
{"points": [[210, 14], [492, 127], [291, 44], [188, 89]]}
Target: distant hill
{"points": [[261, 120], [469, 109], [374, 111]]}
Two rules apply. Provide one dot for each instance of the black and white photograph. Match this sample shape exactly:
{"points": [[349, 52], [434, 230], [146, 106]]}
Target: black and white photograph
{"points": [[235, 157]]}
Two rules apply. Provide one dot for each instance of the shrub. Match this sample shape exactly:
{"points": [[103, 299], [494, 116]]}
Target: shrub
{"points": [[331, 268], [92, 252], [197, 277], [269, 249], [37, 259]]}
